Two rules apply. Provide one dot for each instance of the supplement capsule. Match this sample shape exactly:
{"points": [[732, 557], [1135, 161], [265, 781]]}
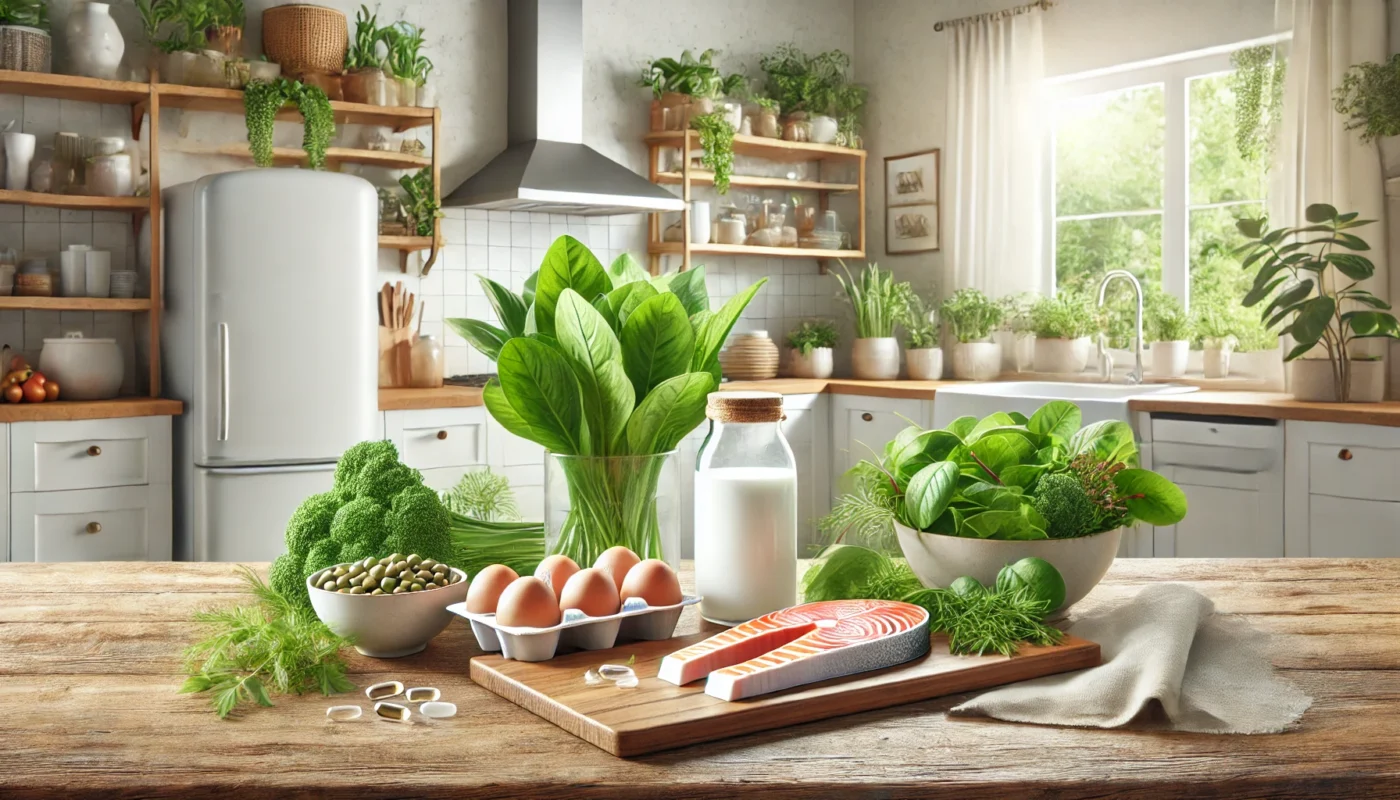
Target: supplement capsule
{"points": [[380, 691], [437, 710], [422, 694], [343, 713], [392, 712]]}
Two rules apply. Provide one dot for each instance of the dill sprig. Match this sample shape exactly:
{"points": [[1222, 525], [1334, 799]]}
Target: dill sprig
{"points": [[983, 622], [866, 515], [272, 643], [483, 495]]}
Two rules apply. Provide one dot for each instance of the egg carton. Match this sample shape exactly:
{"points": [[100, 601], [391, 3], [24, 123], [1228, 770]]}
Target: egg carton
{"points": [[635, 621]]}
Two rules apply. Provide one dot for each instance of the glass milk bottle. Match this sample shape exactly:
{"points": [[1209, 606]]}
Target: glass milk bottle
{"points": [[745, 510]]}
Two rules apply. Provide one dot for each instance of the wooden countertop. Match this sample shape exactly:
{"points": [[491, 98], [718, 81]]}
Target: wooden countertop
{"points": [[90, 665], [1270, 405], [416, 399], [61, 410]]}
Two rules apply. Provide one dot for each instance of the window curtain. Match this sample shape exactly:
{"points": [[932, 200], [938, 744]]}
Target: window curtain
{"points": [[996, 151]]}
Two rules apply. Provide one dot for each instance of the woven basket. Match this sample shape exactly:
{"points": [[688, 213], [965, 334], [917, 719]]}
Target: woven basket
{"points": [[751, 356], [304, 38], [25, 49]]}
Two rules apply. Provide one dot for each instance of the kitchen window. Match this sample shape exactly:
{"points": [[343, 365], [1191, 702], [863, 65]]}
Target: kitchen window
{"points": [[1147, 177]]}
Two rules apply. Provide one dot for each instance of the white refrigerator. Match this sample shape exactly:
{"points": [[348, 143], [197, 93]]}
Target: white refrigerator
{"points": [[269, 339]]}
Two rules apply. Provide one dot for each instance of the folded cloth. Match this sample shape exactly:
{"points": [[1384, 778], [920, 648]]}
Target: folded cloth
{"points": [[1169, 662]]}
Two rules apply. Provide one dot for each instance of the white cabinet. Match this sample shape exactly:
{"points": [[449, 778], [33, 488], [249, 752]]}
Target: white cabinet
{"points": [[442, 443], [1342, 498], [860, 427], [128, 523]]}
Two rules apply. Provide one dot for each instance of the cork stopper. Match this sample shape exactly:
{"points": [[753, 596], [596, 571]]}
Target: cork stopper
{"points": [[744, 407]]}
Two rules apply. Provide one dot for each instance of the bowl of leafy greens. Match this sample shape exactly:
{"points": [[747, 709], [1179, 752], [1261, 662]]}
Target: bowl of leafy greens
{"points": [[968, 499]]}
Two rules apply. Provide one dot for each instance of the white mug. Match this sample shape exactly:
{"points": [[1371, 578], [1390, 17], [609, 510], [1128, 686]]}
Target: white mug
{"points": [[99, 273], [699, 222]]}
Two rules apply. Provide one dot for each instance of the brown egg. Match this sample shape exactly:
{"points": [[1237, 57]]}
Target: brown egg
{"points": [[527, 603], [592, 592], [616, 561], [485, 589], [556, 570], [654, 581]]}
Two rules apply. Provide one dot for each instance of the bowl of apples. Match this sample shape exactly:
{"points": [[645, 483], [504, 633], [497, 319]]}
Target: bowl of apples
{"points": [[24, 384]]}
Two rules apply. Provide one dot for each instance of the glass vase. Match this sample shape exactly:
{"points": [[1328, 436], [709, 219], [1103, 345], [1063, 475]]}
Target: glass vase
{"points": [[592, 503]]}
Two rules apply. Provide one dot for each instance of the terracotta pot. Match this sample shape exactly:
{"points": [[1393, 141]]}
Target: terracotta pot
{"points": [[1169, 358], [925, 364], [976, 361], [875, 359]]}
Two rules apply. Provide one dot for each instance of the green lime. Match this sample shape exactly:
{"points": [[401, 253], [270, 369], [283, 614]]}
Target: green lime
{"points": [[967, 586], [1038, 577]]}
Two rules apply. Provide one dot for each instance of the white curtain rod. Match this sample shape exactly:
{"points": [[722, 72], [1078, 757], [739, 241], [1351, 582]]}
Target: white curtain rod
{"points": [[995, 15]]}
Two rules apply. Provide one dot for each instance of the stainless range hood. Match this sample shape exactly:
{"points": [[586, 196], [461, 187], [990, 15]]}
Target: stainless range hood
{"points": [[546, 166]]}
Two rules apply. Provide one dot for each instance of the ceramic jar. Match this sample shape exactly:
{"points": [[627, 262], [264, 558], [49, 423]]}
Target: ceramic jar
{"points": [[816, 364], [976, 361], [875, 359], [823, 129], [1169, 358], [87, 369], [750, 356], [95, 43], [925, 364], [19, 151], [1062, 356]]}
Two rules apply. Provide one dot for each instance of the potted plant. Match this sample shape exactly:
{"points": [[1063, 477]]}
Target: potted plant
{"points": [[811, 89], [25, 44], [685, 87], [1168, 328], [973, 316], [261, 102], [810, 353], [921, 350], [225, 30], [1369, 97], [1215, 323], [717, 146], [1313, 274], [365, 79], [1062, 325], [406, 62], [1257, 353], [879, 303], [422, 205], [1015, 336], [763, 114]]}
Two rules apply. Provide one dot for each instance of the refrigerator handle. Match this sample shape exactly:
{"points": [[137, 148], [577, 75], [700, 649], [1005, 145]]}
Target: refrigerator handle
{"points": [[223, 382]]}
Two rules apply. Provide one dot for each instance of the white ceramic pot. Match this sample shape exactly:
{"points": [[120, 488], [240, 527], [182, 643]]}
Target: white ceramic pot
{"points": [[388, 625], [1017, 350], [875, 359], [95, 43], [925, 364], [1311, 380], [939, 560], [1169, 359], [976, 361], [816, 364], [86, 369], [1215, 362], [19, 152], [1061, 355], [824, 129]]}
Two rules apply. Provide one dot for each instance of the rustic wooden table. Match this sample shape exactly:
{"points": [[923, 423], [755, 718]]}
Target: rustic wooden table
{"points": [[89, 666]]}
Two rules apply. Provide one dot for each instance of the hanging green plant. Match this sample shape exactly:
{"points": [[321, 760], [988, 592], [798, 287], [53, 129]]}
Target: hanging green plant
{"points": [[717, 138], [318, 126], [1369, 96], [1258, 86], [261, 102], [422, 204]]}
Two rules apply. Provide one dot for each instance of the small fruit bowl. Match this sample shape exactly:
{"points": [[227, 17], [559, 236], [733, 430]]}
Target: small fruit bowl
{"points": [[388, 625]]}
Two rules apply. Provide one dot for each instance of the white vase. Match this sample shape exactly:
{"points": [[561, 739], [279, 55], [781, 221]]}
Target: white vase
{"points": [[824, 129], [1017, 350], [976, 361], [925, 364], [1215, 362], [1061, 356], [816, 364], [699, 222], [875, 359], [95, 43], [19, 152], [1311, 380], [1169, 358]]}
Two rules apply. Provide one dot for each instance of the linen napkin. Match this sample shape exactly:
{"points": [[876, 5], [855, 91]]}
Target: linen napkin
{"points": [[1169, 662]]}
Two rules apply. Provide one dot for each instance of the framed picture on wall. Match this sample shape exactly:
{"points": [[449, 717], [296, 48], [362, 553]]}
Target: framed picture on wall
{"points": [[911, 203]]}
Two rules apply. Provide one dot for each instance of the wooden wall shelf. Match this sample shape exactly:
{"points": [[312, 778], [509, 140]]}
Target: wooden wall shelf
{"points": [[230, 101], [406, 243], [72, 87], [335, 156], [704, 178], [76, 303], [137, 205], [676, 248]]}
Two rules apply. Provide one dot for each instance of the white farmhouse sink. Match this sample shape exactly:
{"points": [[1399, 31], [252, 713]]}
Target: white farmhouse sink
{"points": [[1097, 401]]}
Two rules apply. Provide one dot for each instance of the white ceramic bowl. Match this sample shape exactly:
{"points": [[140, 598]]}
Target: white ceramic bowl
{"points": [[389, 625], [85, 369], [939, 560]]}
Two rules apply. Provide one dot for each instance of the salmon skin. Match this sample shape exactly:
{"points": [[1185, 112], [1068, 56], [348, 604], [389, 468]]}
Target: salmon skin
{"points": [[803, 644]]}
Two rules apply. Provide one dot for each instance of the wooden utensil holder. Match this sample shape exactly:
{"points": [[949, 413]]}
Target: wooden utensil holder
{"points": [[395, 357]]}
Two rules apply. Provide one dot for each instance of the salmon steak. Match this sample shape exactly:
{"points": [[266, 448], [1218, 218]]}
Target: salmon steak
{"points": [[803, 644]]}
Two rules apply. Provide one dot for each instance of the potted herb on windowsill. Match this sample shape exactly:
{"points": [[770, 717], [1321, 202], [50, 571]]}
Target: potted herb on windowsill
{"points": [[1369, 97], [921, 350], [1313, 274], [1216, 325], [879, 303], [811, 349], [972, 316], [1015, 335], [1168, 328], [1062, 325]]}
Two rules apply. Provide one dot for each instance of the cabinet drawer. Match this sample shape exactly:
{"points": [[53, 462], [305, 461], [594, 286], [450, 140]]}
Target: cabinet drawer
{"points": [[1357, 471], [431, 439], [1339, 528], [121, 524], [1216, 434], [89, 454]]}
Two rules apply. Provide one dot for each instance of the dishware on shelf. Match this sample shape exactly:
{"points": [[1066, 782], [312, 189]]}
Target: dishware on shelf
{"points": [[41, 170], [731, 227], [123, 282], [19, 151], [34, 279], [69, 169], [72, 273], [699, 222], [98, 267], [107, 145], [95, 43], [426, 367], [7, 279], [87, 369], [110, 175]]}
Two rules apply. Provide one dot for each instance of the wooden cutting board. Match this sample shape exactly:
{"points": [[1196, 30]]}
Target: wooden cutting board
{"points": [[659, 716]]}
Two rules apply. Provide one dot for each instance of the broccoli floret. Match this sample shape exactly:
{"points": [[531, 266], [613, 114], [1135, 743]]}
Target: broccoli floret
{"points": [[418, 523], [1067, 509], [383, 477], [360, 524], [354, 459], [311, 522], [288, 577], [325, 553]]}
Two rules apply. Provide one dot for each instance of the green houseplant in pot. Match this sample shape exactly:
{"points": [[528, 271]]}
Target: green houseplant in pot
{"points": [[608, 371], [1062, 325], [879, 304], [921, 350], [406, 62], [1015, 334], [25, 43], [811, 89], [811, 349], [976, 495], [972, 316], [685, 87], [1313, 274], [1214, 322], [1369, 97], [1168, 327]]}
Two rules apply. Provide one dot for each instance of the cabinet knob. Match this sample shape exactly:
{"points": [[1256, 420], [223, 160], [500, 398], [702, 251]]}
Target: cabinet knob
{"points": [[442, 434], [94, 451], [1344, 454], [868, 417], [94, 527]]}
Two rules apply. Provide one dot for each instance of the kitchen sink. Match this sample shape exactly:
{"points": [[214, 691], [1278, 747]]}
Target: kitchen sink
{"points": [[1097, 401]]}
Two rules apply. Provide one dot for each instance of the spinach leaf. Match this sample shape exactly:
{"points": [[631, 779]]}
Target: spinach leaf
{"points": [[712, 330], [544, 394], [625, 269], [657, 343], [567, 265], [595, 356], [689, 286], [668, 413], [999, 419], [1014, 525], [1110, 440], [510, 309], [923, 449], [962, 427], [929, 492], [1150, 497], [1056, 418], [994, 454], [486, 338], [624, 300]]}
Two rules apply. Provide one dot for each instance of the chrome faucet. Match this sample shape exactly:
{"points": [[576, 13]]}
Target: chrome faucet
{"points": [[1134, 377]]}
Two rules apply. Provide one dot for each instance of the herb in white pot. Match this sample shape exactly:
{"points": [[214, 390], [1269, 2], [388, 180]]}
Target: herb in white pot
{"points": [[1169, 329], [972, 316], [810, 353], [1062, 325], [880, 303]]}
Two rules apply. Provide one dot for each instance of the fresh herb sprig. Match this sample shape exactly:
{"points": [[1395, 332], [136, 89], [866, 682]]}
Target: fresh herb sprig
{"points": [[483, 495], [272, 643]]}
